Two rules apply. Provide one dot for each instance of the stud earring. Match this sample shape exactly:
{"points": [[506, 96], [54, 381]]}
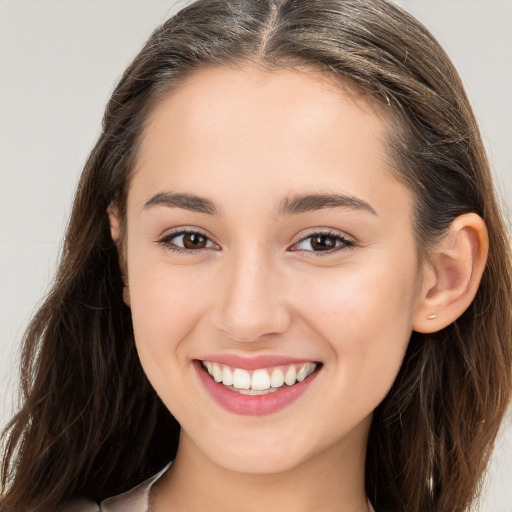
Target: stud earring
{"points": [[431, 316]]}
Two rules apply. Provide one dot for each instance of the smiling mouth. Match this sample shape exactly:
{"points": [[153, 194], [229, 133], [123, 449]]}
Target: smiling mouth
{"points": [[262, 381]]}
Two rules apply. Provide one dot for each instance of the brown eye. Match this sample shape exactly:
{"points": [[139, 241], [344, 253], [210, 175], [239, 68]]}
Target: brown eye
{"points": [[187, 242], [322, 242], [194, 241]]}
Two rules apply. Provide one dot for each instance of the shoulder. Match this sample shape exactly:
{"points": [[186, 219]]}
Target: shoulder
{"points": [[134, 500]]}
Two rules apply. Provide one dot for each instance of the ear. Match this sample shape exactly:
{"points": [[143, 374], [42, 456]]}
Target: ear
{"points": [[115, 225], [115, 233], [453, 274]]}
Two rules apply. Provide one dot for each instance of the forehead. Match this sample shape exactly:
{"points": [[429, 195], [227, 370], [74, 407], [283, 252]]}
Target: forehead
{"points": [[247, 131], [226, 97]]}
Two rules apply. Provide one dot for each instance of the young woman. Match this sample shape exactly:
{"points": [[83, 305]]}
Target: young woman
{"points": [[286, 283]]}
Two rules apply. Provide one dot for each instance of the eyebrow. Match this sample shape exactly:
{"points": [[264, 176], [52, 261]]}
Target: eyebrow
{"points": [[289, 206], [311, 202], [186, 201]]}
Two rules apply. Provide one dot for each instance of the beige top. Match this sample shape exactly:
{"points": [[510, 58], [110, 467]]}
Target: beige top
{"points": [[134, 500]]}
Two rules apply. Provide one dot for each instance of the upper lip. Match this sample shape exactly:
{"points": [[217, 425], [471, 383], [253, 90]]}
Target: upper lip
{"points": [[254, 362]]}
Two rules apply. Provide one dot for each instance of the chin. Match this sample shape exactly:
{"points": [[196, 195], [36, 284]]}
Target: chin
{"points": [[261, 451], [259, 462]]}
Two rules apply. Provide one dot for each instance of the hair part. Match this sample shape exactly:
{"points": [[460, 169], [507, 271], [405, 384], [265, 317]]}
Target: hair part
{"points": [[85, 396]]}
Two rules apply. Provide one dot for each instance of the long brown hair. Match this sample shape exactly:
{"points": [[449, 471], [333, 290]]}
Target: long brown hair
{"points": [[90, 423]]}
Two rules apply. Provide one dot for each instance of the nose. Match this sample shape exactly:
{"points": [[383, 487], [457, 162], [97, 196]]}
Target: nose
{"points": [[251, 303]]}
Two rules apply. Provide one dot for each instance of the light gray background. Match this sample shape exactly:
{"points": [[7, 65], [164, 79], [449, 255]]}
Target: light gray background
{"points": [[59, 60]]}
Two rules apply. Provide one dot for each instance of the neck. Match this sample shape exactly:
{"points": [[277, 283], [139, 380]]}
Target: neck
{"points": [[331, 481]]}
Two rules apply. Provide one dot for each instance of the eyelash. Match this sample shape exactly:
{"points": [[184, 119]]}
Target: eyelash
{"points": [[341, 242], [166, 241]]}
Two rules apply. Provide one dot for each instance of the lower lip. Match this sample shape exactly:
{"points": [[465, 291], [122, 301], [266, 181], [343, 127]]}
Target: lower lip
{"points": [[252, 405]]}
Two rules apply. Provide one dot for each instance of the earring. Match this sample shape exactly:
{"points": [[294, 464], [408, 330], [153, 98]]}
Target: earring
{"points": [[431, 316]]}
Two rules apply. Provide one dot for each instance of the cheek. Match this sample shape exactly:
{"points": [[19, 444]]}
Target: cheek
{"points": [[364, 314], [166, 304]]}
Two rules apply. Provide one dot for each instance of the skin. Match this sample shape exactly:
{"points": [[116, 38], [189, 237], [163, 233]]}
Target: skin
{"points": [[246, 139]]}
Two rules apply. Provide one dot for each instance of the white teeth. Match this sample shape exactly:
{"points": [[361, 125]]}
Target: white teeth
{"points": [[255, 391], [260, 380], [305, 371], [217, 372], [241, 379], [277, 378], [301, 374], [290, 376], [227, 376]]}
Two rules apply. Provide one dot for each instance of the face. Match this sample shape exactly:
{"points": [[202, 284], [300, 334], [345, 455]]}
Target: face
{"points": [[268, 241]]}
